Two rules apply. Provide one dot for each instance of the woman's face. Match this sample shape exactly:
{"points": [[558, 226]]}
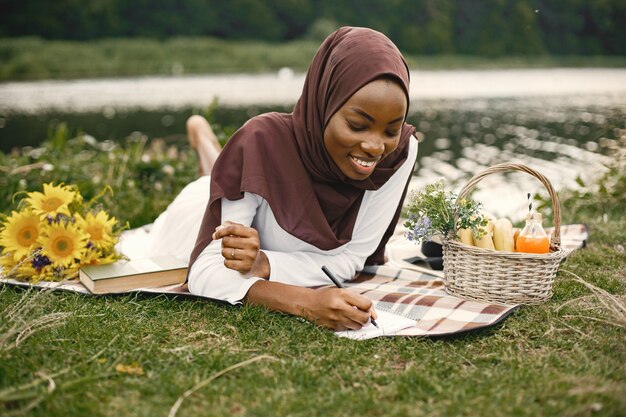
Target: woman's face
{"points": [[366, 128]]}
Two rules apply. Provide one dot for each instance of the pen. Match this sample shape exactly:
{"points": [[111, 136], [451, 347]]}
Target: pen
{"points": [[338, 283]]}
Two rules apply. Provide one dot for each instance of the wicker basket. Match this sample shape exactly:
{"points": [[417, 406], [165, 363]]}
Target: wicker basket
{"points": [[503, 277]]}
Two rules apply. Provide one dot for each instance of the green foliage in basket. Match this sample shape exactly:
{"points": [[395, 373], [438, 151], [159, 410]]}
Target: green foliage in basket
{"points": [[431, 212]]}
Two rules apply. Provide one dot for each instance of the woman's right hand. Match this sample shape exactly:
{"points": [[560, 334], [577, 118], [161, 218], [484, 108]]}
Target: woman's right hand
{"points": [[339, 309], [241, 249]]}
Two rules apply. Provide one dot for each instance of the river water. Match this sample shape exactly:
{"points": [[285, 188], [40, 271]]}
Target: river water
{"points": [[562, 122], [284, 87]]}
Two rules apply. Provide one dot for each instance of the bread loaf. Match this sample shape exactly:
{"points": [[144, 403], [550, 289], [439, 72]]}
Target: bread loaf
{"points": [[503, 235], [466, 236], [486, 241]]}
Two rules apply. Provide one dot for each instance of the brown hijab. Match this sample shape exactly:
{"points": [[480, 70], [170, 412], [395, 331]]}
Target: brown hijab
{"points": [[282, 157]]}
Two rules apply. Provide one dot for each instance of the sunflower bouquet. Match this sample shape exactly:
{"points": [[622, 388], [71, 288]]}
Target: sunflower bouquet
{"points": [[55, 232]]}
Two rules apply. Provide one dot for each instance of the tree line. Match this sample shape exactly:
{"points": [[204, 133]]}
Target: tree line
{"points": [[473, 27]]}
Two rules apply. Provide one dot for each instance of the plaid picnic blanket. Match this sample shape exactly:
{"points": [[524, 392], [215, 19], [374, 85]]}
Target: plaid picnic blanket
{"points": [[415, 295], [400, 287], [422, 297]]}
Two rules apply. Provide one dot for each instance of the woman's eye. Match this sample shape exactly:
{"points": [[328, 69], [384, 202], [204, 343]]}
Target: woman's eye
{"points": [[392, 134], [356, 127]]}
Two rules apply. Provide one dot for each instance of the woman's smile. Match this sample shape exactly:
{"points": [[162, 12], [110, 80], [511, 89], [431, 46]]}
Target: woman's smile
{"points": [[364, 165]]}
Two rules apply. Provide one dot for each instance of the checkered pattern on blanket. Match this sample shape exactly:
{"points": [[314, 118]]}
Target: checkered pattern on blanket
{"points": [[422, 297]]}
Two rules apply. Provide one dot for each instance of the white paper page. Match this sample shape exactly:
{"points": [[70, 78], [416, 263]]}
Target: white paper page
{"points": [[389, 324]]}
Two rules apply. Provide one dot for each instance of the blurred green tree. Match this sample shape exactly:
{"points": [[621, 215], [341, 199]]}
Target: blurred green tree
{"points": [[485, 27]]}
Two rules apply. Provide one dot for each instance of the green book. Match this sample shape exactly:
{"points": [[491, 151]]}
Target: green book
{"points": [[123, 276]]}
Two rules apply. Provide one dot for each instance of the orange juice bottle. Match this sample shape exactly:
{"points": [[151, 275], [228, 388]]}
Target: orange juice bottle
{"points": [[533, 239]]}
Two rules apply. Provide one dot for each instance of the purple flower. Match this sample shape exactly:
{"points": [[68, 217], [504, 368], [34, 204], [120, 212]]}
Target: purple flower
{"points": [[56, 219], [40, 261], [421, 228]]}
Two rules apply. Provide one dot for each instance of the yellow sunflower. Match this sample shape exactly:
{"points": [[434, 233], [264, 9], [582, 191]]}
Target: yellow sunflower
{"points": [[62, 243], [54, 200], [20, 233], [94, 257], [7, 263], [71, 271], [27, 271], [17, 268], [99, 228]]}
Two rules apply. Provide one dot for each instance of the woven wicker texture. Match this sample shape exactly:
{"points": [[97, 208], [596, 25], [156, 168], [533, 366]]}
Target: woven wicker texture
{"points": [[503, 277]]}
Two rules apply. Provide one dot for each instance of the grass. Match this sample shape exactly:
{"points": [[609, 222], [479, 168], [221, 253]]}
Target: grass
{"points": [[135, 355], [35, 58]]}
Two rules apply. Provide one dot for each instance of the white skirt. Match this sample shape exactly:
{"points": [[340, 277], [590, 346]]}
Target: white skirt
{"points": [[175, 231]]}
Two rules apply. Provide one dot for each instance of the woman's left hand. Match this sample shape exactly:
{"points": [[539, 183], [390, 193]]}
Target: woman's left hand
{"points": [[241, 249]]}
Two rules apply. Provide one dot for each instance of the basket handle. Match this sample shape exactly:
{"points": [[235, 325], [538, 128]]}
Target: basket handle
{"points": [[555, 241]]}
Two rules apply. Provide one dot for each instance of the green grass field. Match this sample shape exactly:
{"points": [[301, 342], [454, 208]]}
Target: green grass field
{"points": [[35, 59], [63, 354]]}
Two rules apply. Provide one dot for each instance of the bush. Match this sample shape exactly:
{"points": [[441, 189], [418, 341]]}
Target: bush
{"points": [[145, 175]]}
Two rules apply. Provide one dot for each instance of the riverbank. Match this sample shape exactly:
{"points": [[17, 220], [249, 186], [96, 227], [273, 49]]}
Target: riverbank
{"points": [[31, 58], [284, 87]]}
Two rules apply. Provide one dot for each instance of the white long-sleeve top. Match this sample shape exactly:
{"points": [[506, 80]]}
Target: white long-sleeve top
{"points": [[293, 261]]}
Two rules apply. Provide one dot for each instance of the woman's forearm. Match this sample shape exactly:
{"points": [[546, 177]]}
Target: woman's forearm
{"points": [[335, 308], [281, 297]]}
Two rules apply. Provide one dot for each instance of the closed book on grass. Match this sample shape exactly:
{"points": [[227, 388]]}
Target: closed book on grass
{"points": [[123, 276]]}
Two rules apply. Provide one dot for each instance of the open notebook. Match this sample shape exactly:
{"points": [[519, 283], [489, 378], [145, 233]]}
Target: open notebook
{"points": [[388, 325]]}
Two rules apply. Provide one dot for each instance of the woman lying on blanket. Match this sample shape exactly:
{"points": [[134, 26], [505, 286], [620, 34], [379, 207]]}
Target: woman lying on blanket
{"points": [[290, 193]]}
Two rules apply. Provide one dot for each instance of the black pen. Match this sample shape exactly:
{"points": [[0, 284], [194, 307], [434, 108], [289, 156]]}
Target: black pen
{"points": [[338, 283]]}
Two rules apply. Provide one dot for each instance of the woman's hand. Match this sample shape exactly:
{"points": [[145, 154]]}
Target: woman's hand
{"points": [[335, 308], [339, 309], [241, 249]]}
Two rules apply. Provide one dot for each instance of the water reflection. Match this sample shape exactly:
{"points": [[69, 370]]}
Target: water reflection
{"points": [[562, 141]]}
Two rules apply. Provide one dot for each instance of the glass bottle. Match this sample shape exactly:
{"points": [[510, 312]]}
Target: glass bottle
{"points": [[533, 238]]}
